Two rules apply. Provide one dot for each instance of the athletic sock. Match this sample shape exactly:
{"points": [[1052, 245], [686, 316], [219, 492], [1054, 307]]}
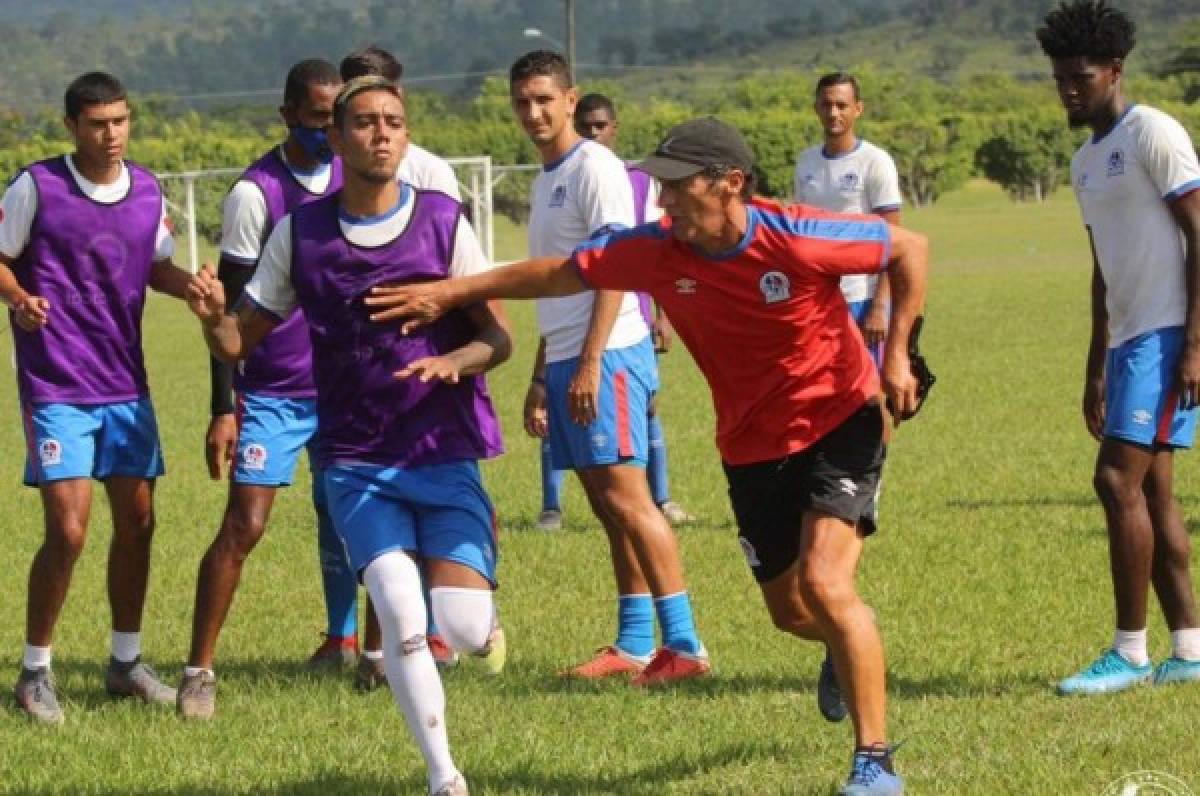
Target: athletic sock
{"points": [[635, 625], [126, 647], [192, 671], [394, 584], [466, 616], [1185, 643], [552, 481], [373, 655], [880, 753], [36, 657], [656, 464], [337, 580], [1131, 645], [678, 626]]}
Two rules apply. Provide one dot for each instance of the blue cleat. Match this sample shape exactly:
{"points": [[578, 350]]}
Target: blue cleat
{"points": [[829, 693], [1177, 670], [871, 774], [1109, 673]]}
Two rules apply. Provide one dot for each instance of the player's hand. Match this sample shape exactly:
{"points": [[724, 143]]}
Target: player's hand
{"points": [[220, 443], [31, 313], [206, 296], [1189, 378], [875, 324], [536, 419], [429, 369], [416, 305], [1093, 406], [900, 386], [583, 394], [662, 334]]}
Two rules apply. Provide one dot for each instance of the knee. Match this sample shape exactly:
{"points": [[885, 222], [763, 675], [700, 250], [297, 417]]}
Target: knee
{"points": [[795, 619], [66, 539], [241, 530], [825, 591], [1114, 487]]}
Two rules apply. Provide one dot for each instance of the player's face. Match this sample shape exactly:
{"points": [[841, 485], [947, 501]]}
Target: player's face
{"points": [[316, 110], [1087, 90], [699, 208], [599, 126], [101, 132], [373, 136], [544, 108], [837, 109]]}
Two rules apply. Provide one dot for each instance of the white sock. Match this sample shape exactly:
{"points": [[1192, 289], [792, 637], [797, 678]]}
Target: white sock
{"points": [[464, 616], [394, 583], [1131, 644], [126, 647], [192, 671], [1185, 643], [36, 657], [373, 655]]}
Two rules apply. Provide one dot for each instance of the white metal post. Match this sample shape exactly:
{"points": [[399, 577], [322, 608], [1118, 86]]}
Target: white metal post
{"points": [[193, 251]]}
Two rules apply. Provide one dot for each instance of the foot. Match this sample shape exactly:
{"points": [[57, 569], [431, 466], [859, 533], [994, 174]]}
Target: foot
{"points": [[829, 693], [494, 652], [676, 514], [334, 654], [36, 696], [443, 654], [1110, 672], [608, 662], [550, 520], [671, 666], [871, 774], [455, 787], [1176, 670], [138, 680], [197, 696]]}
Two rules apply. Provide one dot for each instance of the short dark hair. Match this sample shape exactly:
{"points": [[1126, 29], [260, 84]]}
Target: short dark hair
{"points": [[312, 72], [94, 88], [371, 60], [541, 63], [594, 102], [361, 85], [718, 172], [837, 79], [1089, 29]]}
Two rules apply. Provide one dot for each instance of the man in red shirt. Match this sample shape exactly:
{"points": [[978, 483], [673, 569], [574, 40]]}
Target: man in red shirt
{"points": [[751, 288]]}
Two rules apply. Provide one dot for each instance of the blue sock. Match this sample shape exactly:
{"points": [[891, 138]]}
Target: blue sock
{"points": [[337, 579], [635, 624], [656, 467], [675, 619], [552, 481]]}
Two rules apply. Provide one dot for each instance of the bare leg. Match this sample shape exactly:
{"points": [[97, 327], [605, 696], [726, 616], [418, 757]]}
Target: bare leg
{"points": [[65, 505], [1170, 573], [1121, 470]]}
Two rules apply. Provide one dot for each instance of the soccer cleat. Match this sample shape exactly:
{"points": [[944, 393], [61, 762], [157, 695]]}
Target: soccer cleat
{"points": [[1176, 670], [494, 652], [676, 514], [1110, 672], [871, 774], [136, 679], [829, 693], [671, 666], [369, 674], [455, 787], [444, 655], [197, 696], [608, 662], [334, 654], [550, 520], [36, 696]]}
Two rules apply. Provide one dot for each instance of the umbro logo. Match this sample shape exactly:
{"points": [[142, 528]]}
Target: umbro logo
{"points": [[685, 286], [848, 487], [1142, 417]]}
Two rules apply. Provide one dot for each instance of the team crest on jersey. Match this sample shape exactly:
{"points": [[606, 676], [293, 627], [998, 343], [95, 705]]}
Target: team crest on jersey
{"points": [[255, 457], [749, 552], [1116, 163], [775, 287], [685, 286], [50, 452], [558, 197], [1083, 180], [848, 181], [1142, 417]]}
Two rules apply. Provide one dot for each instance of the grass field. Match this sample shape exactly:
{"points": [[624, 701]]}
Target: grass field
{"points": [[989, 579]]}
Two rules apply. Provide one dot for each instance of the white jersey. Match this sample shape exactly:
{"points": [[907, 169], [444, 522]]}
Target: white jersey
{"points": [[863, 180], [1123, 182], [271, 286], [425, 170], [586, 190], [20, 204]]}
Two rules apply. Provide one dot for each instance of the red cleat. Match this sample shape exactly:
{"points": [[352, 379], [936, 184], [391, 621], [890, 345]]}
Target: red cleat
{"points": [[671, 666], [443, 654], [608, 662], [335, 653]]}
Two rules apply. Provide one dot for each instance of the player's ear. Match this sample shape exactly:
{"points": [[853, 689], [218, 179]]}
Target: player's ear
{"points": [[336, 142], [288, 114], [72, 125], [735, 181]]}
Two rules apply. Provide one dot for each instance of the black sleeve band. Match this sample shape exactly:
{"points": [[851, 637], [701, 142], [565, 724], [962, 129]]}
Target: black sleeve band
{"points": [[234, 278]]}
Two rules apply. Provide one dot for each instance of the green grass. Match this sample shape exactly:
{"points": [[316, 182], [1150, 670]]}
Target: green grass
{"points": [[989, 578]]}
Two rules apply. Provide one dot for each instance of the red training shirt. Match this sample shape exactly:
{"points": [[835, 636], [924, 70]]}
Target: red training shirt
{"points": [[765, 321]]}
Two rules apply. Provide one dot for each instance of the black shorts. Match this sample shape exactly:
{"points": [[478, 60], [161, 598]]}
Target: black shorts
{"points": [[839, 475]]}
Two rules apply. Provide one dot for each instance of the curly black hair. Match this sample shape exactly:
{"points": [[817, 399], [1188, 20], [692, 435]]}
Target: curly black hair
{"points": [[1087, 29]]}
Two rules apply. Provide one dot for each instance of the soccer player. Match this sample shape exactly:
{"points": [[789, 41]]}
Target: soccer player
{"points": [[82, 236], [594, 376], [1138, 185], [403, 418], [846, 174], [751, 287], [276, 414]]}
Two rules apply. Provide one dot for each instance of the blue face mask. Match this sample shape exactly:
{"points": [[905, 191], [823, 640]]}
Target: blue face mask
{"points": [[314, 141]]}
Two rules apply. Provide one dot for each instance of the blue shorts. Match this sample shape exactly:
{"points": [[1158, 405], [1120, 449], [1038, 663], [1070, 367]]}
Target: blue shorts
{"points": [[619, 434], [438, 511], [1140, 393], [271, 433], [858, 311], [91, 441]]}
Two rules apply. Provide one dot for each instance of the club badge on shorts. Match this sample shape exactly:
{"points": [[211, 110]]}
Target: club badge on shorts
{"points": [[50, 452], [775, 287], [255, 457]]}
